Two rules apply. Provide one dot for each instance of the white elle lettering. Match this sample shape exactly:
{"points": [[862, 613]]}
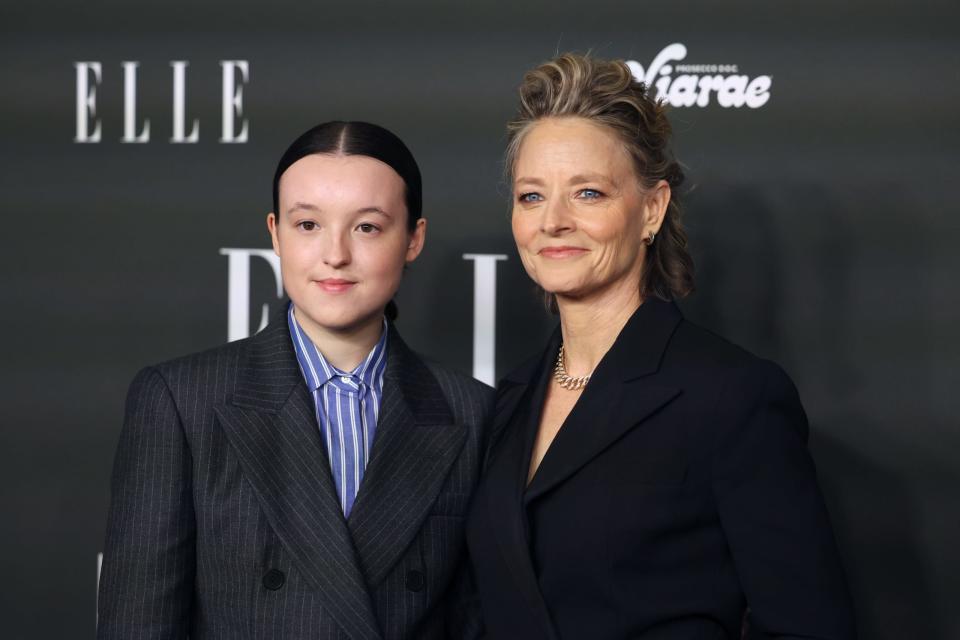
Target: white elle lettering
{"points": [[89, 75], [233, 100], [87, 101], [180, 106], [485, 315], [238, 289], [130, 107]]}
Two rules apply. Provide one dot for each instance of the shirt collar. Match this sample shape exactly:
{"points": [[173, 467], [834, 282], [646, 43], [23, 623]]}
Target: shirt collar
{"points": [[317, 371]]}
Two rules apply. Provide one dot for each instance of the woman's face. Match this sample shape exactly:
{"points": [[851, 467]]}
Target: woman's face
{"points": [[342, 237], [580, 216]]}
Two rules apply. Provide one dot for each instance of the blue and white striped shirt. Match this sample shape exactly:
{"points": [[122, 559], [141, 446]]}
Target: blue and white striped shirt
{"points": [[347, 405]]}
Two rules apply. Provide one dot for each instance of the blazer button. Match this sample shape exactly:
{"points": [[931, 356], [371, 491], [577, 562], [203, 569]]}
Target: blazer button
{"points": [[274, 579], [415, 580]]}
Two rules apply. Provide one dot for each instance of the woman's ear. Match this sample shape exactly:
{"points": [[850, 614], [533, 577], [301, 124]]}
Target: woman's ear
{"points": [[272, 228], [655, 207], [416, 240]]}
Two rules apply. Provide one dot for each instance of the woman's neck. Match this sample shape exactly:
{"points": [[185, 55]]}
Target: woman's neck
{"points": [[591, 325], [344, 348]]}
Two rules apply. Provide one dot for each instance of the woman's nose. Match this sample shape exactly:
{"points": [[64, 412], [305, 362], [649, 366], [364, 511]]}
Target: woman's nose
{"points": [[336, 251], [556, 218]]}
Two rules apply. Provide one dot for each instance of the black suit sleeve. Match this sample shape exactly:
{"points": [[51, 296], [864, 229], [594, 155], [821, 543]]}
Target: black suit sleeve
{"points": [[146, 583], [773, 514]]}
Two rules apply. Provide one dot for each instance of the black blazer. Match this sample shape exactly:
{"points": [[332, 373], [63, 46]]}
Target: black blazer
{"points": [[224, 521], [678, 492]]}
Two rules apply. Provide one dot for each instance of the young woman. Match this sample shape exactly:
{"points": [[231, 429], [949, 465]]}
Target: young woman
{"points": [[647, 479], [310, 481]]}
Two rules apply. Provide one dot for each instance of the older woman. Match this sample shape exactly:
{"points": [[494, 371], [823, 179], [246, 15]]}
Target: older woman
{"points": [[646, 478]]}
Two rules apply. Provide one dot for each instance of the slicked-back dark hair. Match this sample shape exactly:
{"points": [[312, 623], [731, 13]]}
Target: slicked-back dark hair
{"points": [[357, 139]]}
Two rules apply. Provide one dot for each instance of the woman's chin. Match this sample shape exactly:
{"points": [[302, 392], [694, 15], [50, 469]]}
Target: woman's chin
{"points": [[333, 319], [615, 293], [570, 293], [563, 286]]}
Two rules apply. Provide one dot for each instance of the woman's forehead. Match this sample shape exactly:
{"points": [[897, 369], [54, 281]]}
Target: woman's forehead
{"points": [[573, 145], [321, 178]]}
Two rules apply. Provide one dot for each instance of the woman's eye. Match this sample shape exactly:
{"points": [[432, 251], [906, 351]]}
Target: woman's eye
{"points": [[366, 227], [307, 225], [529, 197], [590, 194]]}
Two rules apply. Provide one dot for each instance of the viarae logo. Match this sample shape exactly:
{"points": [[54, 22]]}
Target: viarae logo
{"points": [[693, 85]]}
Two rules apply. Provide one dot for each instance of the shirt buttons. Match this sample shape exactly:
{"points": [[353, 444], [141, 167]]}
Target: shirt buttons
{"points": [[344, 379]]}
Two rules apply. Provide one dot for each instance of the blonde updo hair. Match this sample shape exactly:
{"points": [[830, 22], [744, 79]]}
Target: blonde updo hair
{"points": [[606, 93]]}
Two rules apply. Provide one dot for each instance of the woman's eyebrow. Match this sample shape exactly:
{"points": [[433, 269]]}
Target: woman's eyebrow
{"points": [[580, 178], [373, 209], [577, 179], [529, 180], [306, 206]]}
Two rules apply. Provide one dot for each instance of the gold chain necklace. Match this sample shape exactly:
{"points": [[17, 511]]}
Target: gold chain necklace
{"points": [[565, 380]]}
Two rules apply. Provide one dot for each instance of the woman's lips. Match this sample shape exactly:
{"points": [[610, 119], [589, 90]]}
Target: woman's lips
{"points": [[558, 253], [335, 285]]}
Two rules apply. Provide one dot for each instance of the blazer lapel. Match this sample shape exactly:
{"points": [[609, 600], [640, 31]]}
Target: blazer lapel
{"points": [[593, 426], [271, 424], [511, 394], [619, 397], [416, 443]]}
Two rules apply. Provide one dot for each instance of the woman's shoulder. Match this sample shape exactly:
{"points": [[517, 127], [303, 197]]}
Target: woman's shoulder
{"points": [[697, 351], [694, 344], [206, 373], [267, 348], [225, 356]]}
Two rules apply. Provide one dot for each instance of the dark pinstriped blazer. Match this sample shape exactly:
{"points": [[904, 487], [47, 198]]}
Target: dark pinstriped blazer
{"points": [[224, 521]]}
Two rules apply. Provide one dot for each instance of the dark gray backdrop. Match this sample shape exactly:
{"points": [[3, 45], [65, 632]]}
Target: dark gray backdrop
{"points": [[823, 224]]}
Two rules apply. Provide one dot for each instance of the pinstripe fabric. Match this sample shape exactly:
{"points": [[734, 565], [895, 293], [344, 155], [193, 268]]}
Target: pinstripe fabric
{"points": [[220, 478], [346, 406]]}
